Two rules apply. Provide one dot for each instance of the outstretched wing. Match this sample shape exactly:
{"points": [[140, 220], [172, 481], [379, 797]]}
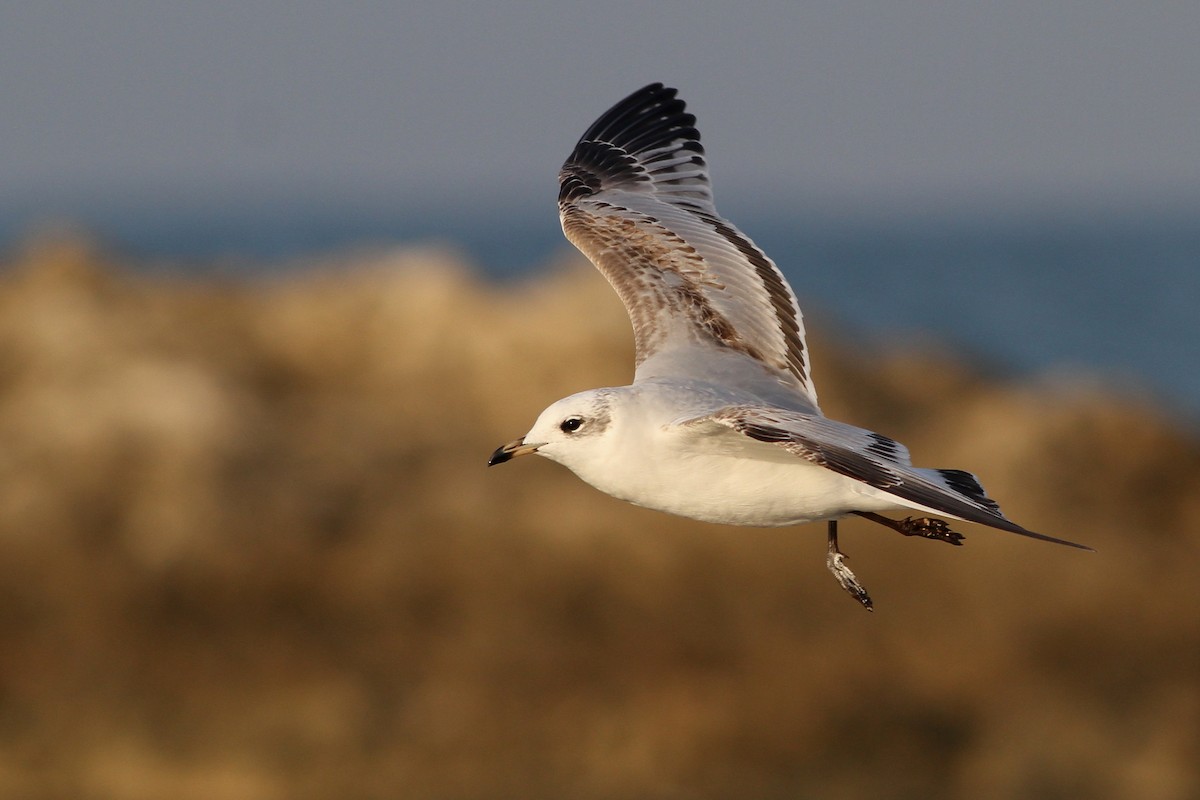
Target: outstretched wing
{"points": [[634, 196], [873, 459]]}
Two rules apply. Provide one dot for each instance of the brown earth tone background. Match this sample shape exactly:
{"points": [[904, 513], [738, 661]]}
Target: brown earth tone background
{"points": [[249, 549]]}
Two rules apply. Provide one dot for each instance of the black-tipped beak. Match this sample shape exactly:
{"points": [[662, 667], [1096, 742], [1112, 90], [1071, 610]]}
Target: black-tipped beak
{"points": [[508, 452]]}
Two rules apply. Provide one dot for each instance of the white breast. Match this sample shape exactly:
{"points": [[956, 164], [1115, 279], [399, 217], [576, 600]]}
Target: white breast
{"points": [[723, 477]]}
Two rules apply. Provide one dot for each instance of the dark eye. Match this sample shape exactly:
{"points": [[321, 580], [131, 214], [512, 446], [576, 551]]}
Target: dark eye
{"points": [[570, 424]]}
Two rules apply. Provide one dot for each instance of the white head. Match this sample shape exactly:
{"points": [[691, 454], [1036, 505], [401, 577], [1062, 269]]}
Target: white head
{"points": [[569, 431]]}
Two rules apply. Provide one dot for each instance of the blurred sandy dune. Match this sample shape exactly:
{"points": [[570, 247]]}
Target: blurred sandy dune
{"points": [[249, 549]]}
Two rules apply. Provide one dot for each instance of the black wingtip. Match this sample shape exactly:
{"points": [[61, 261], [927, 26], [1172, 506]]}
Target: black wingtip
{"points": [[610, 151], [1012, 527], [650, 117]]}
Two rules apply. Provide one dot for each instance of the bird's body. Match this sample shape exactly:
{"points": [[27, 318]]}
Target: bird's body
{"points": [[653, 454], [721, 423]]}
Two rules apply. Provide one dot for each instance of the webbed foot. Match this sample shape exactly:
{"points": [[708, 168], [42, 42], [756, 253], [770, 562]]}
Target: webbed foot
{"points": [[929, 528], [835, 559], [925, 527]]}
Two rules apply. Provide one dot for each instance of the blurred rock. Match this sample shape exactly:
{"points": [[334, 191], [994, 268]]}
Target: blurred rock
{"points": [[249, 549]]}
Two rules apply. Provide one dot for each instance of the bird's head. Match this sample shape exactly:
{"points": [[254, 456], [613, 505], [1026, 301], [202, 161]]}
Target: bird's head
{"points": [[568, 431]]}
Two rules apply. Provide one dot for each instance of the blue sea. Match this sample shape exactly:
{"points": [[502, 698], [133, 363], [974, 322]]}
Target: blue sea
{"points": [[1112, 297]]}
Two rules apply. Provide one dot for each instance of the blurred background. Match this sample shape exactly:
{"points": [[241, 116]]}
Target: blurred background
{"points": [[277, 278]]}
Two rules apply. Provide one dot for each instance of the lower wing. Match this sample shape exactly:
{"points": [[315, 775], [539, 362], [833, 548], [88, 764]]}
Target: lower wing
{"points": [[871, 458]]}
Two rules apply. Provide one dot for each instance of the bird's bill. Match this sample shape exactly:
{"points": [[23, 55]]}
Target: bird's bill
{"points": [[507, 452]]}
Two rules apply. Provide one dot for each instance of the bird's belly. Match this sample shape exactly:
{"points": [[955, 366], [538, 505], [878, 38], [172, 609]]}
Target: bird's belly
{"points": [[715, 487]]}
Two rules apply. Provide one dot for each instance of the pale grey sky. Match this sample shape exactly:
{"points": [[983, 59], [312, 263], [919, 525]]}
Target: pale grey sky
{"points": [[856, 105]]}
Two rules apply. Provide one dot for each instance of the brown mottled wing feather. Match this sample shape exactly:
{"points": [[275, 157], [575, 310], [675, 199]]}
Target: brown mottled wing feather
{"points": [[634, 197], [871, 458]]}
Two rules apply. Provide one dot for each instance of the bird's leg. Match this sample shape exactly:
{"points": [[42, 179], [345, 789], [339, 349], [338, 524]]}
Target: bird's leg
{"points": [[925, 527], [835, 560]]}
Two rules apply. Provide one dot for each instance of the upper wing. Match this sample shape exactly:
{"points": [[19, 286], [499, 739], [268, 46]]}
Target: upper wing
{"points": [[871, 458], [634, 196]]}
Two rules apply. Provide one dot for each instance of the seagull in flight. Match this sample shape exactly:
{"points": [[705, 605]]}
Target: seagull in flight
{"points": [[721, 422]]}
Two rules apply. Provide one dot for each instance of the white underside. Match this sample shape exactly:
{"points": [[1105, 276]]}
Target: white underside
{"points": [[718, 475], [757, 494]]}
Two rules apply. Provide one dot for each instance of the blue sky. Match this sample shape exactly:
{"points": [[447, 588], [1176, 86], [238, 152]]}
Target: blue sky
{"points": [[857, 106]]}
